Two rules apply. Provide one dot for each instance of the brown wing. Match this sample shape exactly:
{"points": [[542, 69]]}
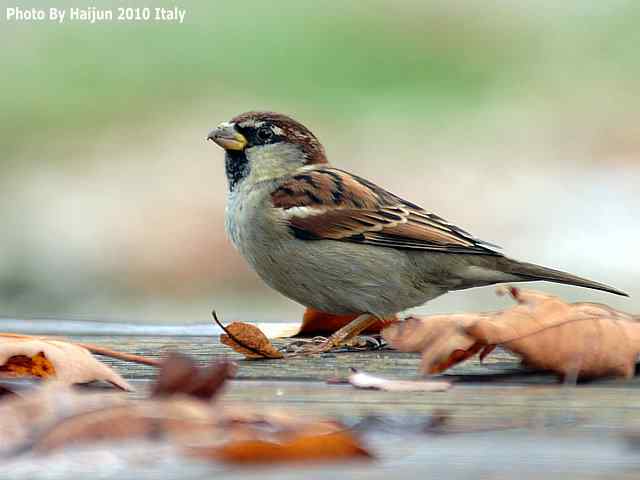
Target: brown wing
{"points": [[326, 203]]}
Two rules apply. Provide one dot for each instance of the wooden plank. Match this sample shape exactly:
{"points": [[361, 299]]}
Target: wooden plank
{"points": [[312, 368], [497, 389], [500, 366], [499, 419]]}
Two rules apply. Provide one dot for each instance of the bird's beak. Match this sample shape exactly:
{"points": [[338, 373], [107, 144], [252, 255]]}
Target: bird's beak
{"points": [[228, 137]]}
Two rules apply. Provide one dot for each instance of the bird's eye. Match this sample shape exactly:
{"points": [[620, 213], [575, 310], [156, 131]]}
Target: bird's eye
{"points": [[264, 134]]}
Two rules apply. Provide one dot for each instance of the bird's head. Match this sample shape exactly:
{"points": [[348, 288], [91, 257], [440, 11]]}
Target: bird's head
{"points": [[263, 146]]}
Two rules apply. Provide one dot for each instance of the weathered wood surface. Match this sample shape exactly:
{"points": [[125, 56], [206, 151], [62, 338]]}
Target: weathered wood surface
{"points": [[499, 367], [312, 368], [502, 422], [498, 388]]}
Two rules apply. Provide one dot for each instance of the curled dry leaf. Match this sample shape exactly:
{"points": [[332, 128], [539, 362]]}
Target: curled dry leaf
{"points": [[366, 381], [585, 340], [179, 374], [276, 435], [197, 428], [176, 420], [249, 340], [45, 358], [179, 411], [333, 447], [442, 340], [181, 414], [253, 437]]}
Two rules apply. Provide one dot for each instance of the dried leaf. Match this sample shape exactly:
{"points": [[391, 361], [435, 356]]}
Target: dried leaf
{"points": [[223, 432], [175, 373], [248, 340], [180, 375], [55, 417], [441, 339], [585, 340], [24, 366], [330, 447], [175, 420], [107, 425], [45, 358], [367, 381], [95, 349]]}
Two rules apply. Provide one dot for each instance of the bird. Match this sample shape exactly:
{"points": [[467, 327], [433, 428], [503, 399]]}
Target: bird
{"points": [[336, 242]]}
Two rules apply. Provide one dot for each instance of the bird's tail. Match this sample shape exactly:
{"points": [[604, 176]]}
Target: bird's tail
{"points": [[531, 273]]}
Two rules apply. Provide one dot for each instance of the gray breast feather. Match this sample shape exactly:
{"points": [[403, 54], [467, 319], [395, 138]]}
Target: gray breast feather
{"points": [[332, 276]]}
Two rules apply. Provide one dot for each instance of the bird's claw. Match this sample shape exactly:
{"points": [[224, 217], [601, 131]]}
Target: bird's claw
{"points": [[317, 345]]}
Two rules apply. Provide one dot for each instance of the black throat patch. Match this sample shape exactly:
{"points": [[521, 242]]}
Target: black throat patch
{"points": [[236, 166]]}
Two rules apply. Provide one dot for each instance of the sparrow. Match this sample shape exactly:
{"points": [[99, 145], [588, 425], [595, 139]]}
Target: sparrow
{"points": [[336, 242]]}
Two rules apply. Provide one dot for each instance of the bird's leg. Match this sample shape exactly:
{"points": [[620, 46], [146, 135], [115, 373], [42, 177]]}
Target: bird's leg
{"points": [[350, 330]]}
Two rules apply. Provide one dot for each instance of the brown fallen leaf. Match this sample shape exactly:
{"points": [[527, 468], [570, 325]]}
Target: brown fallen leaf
{"points": [[46, 358], [181, 414], [95, 349], [252, 340], [187, 422], [273, 435], [442, 340], [248, 340], [176, 419], [219, 434], [366, 381], [179, 374], [179, 408], [329, 447], [24, 366], [585, 340]]}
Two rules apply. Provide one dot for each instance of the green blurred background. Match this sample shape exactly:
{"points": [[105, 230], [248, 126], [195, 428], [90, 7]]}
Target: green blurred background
{"points": [[519, 121]]}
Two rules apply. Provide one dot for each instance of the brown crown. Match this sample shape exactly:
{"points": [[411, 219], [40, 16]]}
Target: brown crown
{"points": [[293, 131]]}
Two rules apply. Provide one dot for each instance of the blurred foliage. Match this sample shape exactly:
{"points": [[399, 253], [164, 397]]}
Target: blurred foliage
{"points": [[94, 227], [332, 56]]}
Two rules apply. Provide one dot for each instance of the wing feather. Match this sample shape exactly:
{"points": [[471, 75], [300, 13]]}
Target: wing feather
{"points": [[327, 203]]}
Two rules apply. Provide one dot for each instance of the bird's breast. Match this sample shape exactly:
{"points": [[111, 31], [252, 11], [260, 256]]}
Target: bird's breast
{"points": [[252, 225]]}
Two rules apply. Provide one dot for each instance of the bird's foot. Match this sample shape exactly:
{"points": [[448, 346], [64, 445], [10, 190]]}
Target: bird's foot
{"points": [[359, 343], [346, 336], [303, 346]]}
